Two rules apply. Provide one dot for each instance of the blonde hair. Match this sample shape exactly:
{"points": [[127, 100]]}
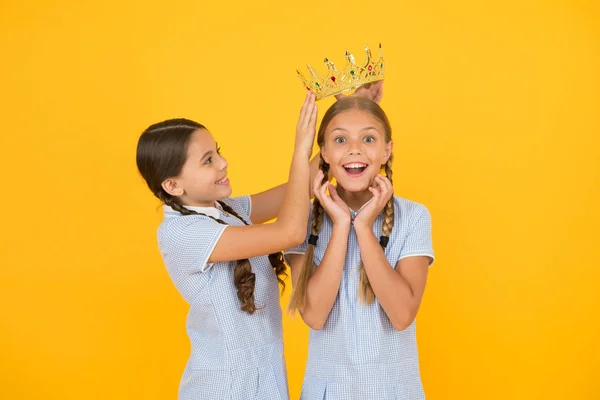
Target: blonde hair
{"points": [[307, 265]]}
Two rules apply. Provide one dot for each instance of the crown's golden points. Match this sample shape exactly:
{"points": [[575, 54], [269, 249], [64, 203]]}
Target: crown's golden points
{"points": [[351, 77]]}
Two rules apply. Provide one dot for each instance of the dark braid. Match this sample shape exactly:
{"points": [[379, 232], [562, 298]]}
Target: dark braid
{"points": [[243, 277], [276, 259]]}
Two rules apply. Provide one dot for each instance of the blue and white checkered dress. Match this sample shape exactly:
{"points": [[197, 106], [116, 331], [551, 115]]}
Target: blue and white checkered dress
{"points": [[358, 355], [235, 356]]}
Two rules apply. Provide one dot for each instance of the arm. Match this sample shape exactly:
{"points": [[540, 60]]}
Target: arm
{"points": [[324, 285], [266, 205], [399, 291], [239, 242]]}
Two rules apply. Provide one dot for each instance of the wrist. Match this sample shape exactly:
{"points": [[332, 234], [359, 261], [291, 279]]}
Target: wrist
{"points": [[342, 225], [303, 150], [362, 228]]}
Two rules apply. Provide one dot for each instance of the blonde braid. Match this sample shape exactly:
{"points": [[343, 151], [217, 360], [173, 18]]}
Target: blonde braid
{"points": [[388, 211], [366, 293], [307, 265]]}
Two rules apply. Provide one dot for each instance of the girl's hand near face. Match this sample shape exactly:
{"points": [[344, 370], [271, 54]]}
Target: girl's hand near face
{"points": [[335, 207], [382, 192]]}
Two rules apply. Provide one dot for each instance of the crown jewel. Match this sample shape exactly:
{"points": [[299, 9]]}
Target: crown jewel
{"points": [[352, 76]]}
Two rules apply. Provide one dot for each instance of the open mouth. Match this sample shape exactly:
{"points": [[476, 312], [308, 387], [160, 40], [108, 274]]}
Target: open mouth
{"points": [[223, 181], [355, 169]]}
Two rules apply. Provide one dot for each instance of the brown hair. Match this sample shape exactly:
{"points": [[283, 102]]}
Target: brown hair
{"points": [[307, 266], [161, 153]]}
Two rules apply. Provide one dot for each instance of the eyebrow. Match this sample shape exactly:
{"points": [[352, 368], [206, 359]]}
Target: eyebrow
{"points": [[362, 130], [209, 152]]}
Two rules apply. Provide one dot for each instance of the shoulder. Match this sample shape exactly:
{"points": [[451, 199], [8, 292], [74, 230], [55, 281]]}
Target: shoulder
{"points": [[183, 227], [408, 212]]}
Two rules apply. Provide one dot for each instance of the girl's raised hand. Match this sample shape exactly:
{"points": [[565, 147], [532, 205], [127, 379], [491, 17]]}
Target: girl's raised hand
{"points": [[382, 192], [306, 127], [335, 207]]}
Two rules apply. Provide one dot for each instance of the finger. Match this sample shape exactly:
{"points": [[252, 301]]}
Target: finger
{"points": [[389, 189], [310, 105], [310, 110], [382, 181], [376, 182], [376, 195], [333, 193], [323, 189], [317, 181], [380, 186], [323, 197], [312, 122], [387, 182], [303, 110], [386, 188], [379, 94], [376, 186], [318, 195]]}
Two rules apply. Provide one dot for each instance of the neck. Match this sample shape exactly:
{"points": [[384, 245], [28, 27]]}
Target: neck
{"points": [[186, 201], [354, 200]]}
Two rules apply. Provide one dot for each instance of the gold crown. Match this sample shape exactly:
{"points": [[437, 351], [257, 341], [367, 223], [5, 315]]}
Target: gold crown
{"points": [[352, 76]]}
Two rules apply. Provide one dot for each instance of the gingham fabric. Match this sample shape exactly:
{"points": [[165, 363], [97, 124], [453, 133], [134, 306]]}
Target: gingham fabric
{"points": [[358, 355], [235, 356]]}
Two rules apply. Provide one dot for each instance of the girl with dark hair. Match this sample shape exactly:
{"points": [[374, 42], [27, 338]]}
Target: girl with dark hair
{"points": [[215, 250]]}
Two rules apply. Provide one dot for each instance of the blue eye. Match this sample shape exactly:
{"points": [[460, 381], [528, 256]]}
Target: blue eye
{"points": [[369, 139], [208, 160], [339, 139]]}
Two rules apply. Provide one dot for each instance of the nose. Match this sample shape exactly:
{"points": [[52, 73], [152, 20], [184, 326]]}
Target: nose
{"points": [[223, 163], [354, 149]]}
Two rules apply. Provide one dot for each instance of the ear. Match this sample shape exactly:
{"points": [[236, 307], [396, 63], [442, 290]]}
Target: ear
{"points": [[324, 154], [171, 186], [387, 152]]}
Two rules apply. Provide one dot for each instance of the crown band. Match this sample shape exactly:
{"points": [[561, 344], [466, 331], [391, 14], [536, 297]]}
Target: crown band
{"points": [[352, 76]]}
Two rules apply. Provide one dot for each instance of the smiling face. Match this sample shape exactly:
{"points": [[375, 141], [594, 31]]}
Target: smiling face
{"points": [[355, 144], [203, 178]]}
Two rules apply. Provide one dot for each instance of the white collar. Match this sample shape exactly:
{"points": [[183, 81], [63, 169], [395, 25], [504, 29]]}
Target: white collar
{"points": [[361, 207], [210, 211]]}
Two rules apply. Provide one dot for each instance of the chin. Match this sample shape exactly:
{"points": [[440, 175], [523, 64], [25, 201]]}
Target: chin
{"points": [[354, 186], [227, 192]]}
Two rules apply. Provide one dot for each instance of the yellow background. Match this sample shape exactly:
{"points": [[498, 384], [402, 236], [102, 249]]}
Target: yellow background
{"points": [[495, 108]]}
